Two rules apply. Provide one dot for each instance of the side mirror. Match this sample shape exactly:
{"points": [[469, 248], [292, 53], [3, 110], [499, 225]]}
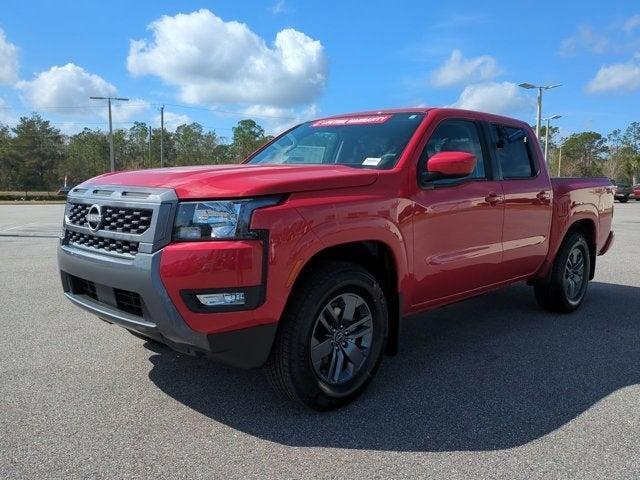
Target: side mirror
{"points": [[449, 165]]}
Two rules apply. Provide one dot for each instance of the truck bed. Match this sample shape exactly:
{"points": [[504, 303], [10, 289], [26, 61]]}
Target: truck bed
{"points": [[585, 199]]}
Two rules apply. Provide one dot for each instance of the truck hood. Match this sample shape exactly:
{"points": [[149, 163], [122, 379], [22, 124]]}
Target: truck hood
{"points": [[233, 181]]}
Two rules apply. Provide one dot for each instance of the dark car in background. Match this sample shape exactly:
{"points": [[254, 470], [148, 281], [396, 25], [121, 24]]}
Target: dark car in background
{"points": [[621, 191]]}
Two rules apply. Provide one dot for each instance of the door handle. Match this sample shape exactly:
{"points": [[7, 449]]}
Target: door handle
{"points": [[543, 196], [492, 198]]}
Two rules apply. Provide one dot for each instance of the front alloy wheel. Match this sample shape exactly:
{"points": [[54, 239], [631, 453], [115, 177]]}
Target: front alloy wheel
{"points": [[341, 338], [331, 338]]}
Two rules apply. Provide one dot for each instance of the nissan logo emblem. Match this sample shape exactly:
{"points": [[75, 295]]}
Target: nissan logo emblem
{"points": [[94, 217]]}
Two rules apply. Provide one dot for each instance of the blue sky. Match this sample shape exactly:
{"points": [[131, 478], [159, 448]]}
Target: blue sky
{"points": [[283, 61]]}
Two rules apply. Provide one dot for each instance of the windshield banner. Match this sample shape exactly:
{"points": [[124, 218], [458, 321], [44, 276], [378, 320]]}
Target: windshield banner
{"points": [[337, 122]]}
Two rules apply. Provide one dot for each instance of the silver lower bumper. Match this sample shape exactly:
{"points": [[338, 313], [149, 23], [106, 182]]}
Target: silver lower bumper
{"points": [[141, 275]]}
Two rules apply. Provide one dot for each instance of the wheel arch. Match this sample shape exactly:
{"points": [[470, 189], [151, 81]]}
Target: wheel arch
{"points": [[379, 259], [587, 228]]}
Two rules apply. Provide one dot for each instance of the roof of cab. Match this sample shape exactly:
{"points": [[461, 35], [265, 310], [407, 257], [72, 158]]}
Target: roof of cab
{"points": [[467, 113]]}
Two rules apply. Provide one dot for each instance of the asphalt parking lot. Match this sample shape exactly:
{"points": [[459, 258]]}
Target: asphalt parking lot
{"points": [[490, 388]]}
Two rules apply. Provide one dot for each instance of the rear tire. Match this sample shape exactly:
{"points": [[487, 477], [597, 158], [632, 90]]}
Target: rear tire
{"points": [[624, 200], [331, 339], [570, 274]]}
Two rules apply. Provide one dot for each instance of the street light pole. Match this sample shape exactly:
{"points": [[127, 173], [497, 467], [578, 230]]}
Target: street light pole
{"points": [[540, 88], [539, 115], [546, 136], [112, 158], [546, 142], [559, 161]]}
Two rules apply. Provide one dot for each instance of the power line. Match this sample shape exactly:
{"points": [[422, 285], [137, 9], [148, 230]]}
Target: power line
{"points": [[70, 107], [229, 112], [132, 104]]}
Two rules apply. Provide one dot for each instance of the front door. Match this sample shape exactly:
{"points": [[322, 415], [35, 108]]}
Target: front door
{"points": [[457, 223]]}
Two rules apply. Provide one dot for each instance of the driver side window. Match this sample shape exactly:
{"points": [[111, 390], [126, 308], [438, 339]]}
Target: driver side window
{"points": [[455, 135]]}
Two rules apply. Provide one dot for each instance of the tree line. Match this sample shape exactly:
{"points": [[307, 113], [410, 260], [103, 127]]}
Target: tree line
{"points": [[591, 154], [35, 155]]}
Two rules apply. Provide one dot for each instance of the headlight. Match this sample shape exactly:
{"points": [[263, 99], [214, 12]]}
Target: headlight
{"points": [[220, 219]]}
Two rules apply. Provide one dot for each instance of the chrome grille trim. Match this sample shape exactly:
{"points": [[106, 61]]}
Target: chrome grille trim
{"points": [[108, 245], [135, 219], [115, 219]]}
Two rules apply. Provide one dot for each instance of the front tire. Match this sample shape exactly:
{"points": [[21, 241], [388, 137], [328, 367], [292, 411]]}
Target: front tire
{"points": [[331, 339], [623, 199], [570, 274]]}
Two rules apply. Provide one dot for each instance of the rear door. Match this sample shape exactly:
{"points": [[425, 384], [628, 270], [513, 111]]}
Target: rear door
{"points": [[527, 199], [457, 223]]}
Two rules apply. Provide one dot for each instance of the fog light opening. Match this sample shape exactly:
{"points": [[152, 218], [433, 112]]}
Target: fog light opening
{"points": [[221, 299]]}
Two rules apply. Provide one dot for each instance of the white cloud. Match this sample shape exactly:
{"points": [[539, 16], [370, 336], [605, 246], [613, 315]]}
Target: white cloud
{"points": [[172, 120], [134, 109], [616, 77], [216, 62], [586, 38], [619, 37], [631, 24], [8, 61], [457, 69], [66, 86], [276, 120], [7, 116], [279, 6], [501, 98], [65, 90]]}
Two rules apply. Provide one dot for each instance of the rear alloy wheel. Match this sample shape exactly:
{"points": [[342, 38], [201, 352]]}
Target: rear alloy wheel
{"points": [[574, 274], [569, 279], [331, 338]]}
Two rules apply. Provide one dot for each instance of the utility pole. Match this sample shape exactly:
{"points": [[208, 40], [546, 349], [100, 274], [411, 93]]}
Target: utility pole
{"points": [[161, 136], [540, 88], [150, 130], [112, 158]]}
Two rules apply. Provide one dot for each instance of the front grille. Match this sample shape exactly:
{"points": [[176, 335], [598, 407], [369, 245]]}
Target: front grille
{"points": [[109, 245], [114, 219], [128, 301], [126, 220], [81, 286], [77, 214]]}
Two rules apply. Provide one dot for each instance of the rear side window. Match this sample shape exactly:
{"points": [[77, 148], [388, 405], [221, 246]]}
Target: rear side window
{"points": [[513, 152], [456, 135]]}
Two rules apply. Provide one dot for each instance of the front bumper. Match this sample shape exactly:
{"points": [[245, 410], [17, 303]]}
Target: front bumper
{"points": [[159, 319]]}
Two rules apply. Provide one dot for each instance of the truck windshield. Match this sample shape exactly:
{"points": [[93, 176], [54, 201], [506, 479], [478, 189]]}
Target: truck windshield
{"points": [[364, 141]]}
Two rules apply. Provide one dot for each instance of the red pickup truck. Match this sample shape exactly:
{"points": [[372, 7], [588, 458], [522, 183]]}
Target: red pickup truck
{"points": [[306, 257]]}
